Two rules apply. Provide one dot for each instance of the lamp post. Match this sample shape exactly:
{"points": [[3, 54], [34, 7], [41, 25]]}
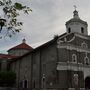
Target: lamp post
{"points": [[76, 81], [43, 82]]}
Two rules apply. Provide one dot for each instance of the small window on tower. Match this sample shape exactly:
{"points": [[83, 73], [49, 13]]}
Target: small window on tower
{"points": [[69, 30], [86, 60], [82, 30], [74, 58], [84, 45]]}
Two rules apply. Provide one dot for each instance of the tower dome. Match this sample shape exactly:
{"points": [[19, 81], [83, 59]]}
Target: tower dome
{"points": [[75, 24]]}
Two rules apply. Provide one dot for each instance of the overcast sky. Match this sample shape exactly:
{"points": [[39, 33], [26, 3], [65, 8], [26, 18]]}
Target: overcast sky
{"points": [[46, 20]]}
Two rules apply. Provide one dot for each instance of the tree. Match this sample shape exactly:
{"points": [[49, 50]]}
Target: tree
{"points": [[7, 78], [11, 11]]}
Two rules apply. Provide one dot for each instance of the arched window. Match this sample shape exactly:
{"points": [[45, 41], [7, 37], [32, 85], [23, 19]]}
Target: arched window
{"points": [[86, 61], [69, 30], [25, 84], [87, 83], [84, 45], [82, 30], [74, 58]]}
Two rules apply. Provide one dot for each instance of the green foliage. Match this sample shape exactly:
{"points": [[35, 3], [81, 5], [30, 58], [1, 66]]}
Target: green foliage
{"points": [[19, 6], [7, 78], [11, 12]]}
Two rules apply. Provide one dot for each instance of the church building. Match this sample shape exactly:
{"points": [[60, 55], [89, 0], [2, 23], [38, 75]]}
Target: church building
{"points": [[60, 64]]}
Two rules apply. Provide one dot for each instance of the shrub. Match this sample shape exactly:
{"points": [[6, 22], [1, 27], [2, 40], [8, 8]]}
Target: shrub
{"points": [[7, 78]]}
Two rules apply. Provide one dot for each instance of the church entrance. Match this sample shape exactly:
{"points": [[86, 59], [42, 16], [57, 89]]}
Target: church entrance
{"points": [[87, 83]]}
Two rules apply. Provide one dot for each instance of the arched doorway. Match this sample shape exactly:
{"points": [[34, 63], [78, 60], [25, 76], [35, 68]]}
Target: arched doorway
{"points": [[87, 83]]}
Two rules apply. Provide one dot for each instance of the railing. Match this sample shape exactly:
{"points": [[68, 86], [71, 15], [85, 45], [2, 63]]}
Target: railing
{"points": [[71, 46], [72, 66]]}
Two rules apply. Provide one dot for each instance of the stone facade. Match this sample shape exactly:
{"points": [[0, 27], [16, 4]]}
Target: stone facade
{"points": [[56, 64]]}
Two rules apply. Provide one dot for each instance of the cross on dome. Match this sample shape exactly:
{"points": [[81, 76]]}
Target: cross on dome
{"points": [[75, 13], [75, 7]]}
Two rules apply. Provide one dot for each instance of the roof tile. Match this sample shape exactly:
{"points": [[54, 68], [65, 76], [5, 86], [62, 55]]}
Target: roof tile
{"points": [[22, 46]]}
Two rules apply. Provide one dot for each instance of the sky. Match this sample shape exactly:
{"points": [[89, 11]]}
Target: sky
{"points": [[48, 18]]}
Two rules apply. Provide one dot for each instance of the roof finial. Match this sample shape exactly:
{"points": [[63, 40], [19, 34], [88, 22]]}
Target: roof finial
{"points": [[24, 40], [75, 12]]}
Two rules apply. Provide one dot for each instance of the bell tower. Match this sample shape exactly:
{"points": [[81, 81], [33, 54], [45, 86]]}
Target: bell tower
{"points": [[75, 24]]}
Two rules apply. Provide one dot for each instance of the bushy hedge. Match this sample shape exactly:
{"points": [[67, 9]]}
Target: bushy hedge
{"points": [[7, 78]]}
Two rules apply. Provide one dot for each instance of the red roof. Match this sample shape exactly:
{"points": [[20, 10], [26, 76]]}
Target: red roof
{"points": [[3, 56], [22, 46]]}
